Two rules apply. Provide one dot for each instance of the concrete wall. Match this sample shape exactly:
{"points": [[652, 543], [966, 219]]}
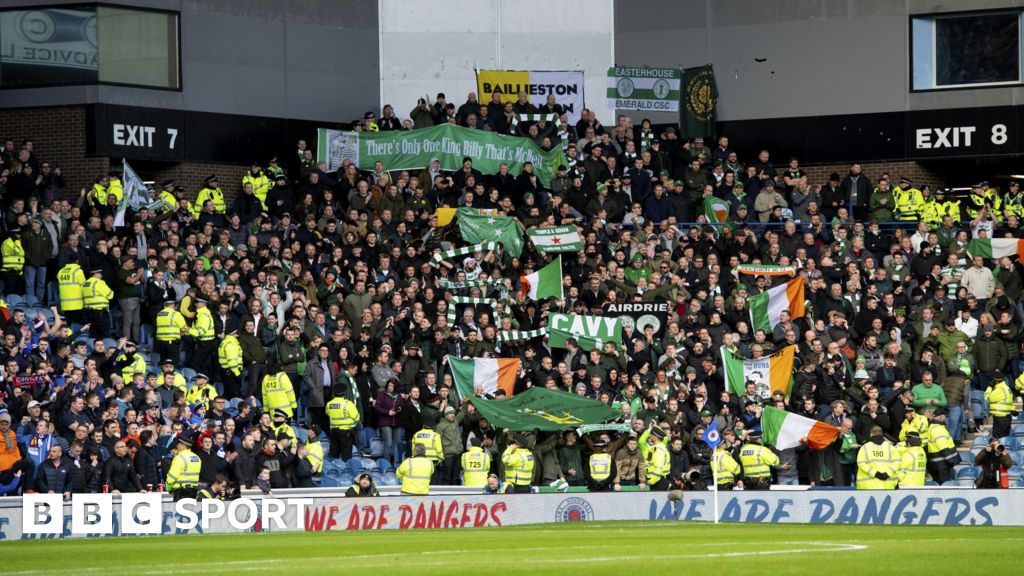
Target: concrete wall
{"points": [[433, 47], [820, 57], [301, 59]]}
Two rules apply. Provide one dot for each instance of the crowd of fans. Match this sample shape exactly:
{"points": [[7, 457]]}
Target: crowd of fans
{"points": [[229, 319]]}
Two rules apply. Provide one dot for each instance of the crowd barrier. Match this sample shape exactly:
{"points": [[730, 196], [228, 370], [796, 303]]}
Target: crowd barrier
{"points": [[335, 513]]}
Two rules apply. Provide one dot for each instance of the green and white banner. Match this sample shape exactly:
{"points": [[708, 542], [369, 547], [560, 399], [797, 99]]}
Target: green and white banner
{"points": [[590, 332], [642, 88], [556, 239], [412, 149]]}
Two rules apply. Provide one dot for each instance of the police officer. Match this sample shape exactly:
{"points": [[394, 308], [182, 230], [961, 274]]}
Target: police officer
{"points": [[981, 195], [212, 193], [1013, 202], [430, 441], [726, 467], [907, 200], [314, 450], [280, 426], [658, 461], [415, 473], [916, 422], [170, 326], [260, 182], [948, 206], [518, 461], [130, 362], [343, 416], [167, 196], [96, 297], [757, 462], [600, 467], [230, 355], [183, 474], [878, 463], [204, 334], [940, 447], [913, 461], [70, 284], [14, 263], [277, 391], [1000, 405], [201, 392], [476, 463]]}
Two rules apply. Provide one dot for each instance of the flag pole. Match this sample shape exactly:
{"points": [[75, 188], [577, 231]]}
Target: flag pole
{"points": [[714, 478]]}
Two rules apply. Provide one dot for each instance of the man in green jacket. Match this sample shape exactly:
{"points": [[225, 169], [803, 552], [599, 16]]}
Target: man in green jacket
{"points": [[38, 250], [989, 351], [451, 444], [948, 339]]}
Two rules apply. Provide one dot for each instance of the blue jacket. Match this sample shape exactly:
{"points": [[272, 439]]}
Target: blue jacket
{"points": [[657, 209]]}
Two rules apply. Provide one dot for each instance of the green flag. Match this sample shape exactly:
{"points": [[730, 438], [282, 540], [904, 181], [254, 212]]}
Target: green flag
{"points": [[590, 332], [543, 409], [699, 106], [716, 211], [476, 228]]}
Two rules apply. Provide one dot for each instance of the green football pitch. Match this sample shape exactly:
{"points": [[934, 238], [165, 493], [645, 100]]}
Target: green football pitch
{"points": [[586, 548]]}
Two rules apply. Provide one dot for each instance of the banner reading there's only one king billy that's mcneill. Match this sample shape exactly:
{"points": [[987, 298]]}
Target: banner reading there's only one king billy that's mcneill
{"points": [[642, 88], [565, 85]]}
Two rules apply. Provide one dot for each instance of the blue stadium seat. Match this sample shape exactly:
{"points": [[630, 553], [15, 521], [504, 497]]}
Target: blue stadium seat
{"points": [[363, 438], [146, 335], [155, 359], [967, 473], [384, 465], [369, 465], [1010, 442], [930, 483], [110, 342], [388, 479], [14, 301], [376, 447], [1018, 430], [1016, 473], [965, 483], [979, 441], [1018, 457], [950, 483], [1017, 484], [331, 478], [355, 465], [189, 374], [300, 433], [966, 456]]}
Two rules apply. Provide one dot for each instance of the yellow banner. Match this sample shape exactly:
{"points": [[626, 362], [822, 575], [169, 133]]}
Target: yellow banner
{"points": [[508, 83]]}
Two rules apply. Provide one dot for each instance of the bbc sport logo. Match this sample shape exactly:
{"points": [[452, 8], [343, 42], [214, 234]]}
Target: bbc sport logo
{"points": [[574, 510], [143, 514]]}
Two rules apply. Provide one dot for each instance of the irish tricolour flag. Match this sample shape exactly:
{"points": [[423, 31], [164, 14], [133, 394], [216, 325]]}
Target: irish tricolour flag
{"points": [[785, 430], [769, 374], [488, 374], [996, 247], [766, 308], [544, 283]]}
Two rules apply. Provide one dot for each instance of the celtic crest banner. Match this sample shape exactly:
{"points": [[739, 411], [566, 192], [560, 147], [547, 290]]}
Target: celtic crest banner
{"points": [[699, 106]]}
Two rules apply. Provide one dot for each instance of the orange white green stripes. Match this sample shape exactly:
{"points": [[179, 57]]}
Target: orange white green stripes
{"points": [[766, 308], [786, 430], [996, 248], [487, 374]]}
